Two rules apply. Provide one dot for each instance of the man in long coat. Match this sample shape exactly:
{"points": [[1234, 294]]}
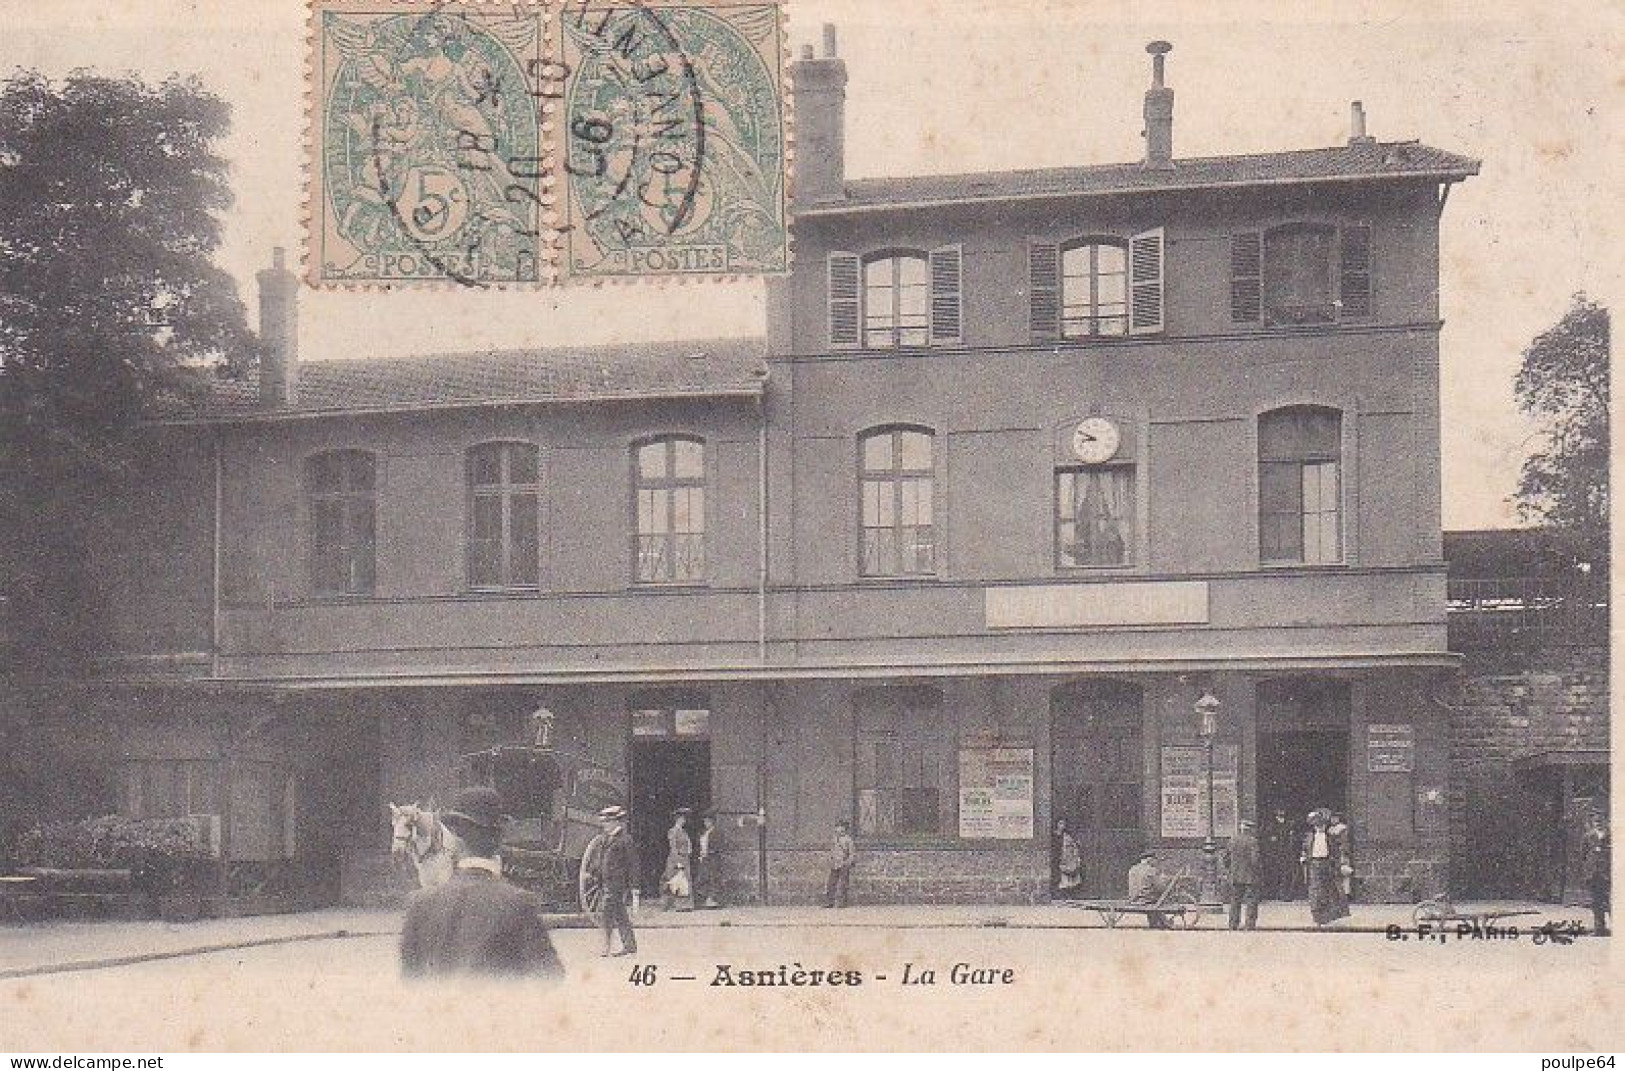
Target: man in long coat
{"points": [[606, 870], [476, 923], [1599, 856], [1241, 864]]}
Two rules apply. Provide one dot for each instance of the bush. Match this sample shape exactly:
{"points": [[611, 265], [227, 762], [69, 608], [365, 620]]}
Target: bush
{"points": [[163, 854]]}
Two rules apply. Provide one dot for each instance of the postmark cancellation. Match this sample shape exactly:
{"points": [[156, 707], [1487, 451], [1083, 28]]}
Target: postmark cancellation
{"points": [[673, 141]]}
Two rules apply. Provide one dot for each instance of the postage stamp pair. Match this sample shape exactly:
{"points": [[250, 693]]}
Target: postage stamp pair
{"points": [[533, 144]]}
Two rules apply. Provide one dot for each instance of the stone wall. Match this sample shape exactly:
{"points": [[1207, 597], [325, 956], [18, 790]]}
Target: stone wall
{"points": [[925, 875], [1509, 828]]}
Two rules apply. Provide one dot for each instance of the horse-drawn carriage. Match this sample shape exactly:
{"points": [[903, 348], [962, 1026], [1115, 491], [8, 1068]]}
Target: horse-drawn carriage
{"points": [[552, 796]]}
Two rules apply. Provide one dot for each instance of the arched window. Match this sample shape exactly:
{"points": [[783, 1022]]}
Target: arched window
{"points": [[897, 488], [1300, 485], [1094, 288], [340, 488], [503, 504], [896, 300], [668, 475]]}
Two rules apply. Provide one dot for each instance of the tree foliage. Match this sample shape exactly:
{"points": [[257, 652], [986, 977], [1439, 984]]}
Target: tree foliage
{"points": [[1563, 384], [110, 307]]}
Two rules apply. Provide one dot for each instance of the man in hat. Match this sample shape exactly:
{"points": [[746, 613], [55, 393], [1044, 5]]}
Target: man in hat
{"points": [[1241, 864], [1146, 884], [476, 923], [607, 868]]}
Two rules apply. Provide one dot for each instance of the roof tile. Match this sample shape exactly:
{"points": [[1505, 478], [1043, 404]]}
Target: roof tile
{"points": [[1360, 159], [598, 373]]}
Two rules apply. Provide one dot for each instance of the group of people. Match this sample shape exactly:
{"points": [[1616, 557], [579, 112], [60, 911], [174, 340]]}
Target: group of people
{"points": [[1325, 861], [689, 879]]}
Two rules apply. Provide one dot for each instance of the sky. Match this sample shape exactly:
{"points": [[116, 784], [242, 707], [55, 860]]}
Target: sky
{"points": [[1531, 89]]}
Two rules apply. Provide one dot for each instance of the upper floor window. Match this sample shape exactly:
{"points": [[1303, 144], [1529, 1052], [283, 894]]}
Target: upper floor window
{"points": [[1299, 485], [340, 488], [1094, 515], [897, 487], [1301, 274], [895, 299], [503, 504], [904, 772], [895, 302], [669, 486], [1094, 289]]}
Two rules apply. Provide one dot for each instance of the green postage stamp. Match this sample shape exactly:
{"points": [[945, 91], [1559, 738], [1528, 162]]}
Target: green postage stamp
{"points": [[486, 145], [673, 139]]}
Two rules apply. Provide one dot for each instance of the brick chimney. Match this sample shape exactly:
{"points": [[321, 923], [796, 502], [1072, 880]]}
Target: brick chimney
{"points": [[820, 101], [1159, 113], [279, 333]]}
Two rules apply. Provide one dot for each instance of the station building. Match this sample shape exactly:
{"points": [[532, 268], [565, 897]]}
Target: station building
{"points": [[1031, 471]]}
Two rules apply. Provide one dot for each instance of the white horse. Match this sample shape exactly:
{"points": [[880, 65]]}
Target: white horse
{"points": [[416, 831]]}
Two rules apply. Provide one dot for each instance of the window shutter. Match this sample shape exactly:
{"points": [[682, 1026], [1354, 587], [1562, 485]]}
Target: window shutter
{"points": [[947, 300], [1044, 288], [1354, 286], [845, 271], [1246, 278], [1145, 283]]}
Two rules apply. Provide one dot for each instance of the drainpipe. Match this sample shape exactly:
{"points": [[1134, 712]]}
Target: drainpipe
{"points": [[214, 622], [761, 528]]}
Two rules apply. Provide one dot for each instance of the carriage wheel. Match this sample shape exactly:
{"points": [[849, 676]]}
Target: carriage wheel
{"points": [[590, 892], [1433, 910], [1111, 918], [1190, 918]]}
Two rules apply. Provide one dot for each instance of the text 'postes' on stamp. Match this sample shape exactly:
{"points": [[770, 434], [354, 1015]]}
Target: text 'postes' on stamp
{"points": [[523, 145], [673, 140]]}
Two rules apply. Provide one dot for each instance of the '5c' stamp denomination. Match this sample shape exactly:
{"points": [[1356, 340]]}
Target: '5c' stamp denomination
{"points": [[429, 151], [673, 138]]}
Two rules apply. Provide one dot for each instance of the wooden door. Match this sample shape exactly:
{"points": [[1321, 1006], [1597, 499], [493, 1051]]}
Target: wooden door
{"points": [[1097, 763]]}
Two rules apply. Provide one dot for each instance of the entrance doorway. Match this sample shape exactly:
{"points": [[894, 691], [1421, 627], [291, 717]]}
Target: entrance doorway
{"points": [[666, 774], [1097, 764], [1303, 763]]}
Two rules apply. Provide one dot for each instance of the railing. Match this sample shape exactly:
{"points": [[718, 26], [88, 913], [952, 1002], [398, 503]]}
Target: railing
{"points": [[1527, 612]]}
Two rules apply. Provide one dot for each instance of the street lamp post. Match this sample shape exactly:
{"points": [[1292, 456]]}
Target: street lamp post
{"points": [[1207, 708]]}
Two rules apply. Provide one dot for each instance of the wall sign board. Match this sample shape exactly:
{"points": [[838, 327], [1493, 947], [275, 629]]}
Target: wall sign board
{"points": [[996, 793]]}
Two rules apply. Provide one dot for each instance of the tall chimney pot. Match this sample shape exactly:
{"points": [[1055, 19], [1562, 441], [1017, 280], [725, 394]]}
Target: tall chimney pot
{"points": [[829, 40], [1159, 112], [1357, 134], [279, 333]]}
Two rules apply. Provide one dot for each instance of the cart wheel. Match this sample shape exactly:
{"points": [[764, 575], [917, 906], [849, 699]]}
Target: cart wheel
{"points": [[1433, 910], [591, 894], [1190, 919], [1111, 918]]}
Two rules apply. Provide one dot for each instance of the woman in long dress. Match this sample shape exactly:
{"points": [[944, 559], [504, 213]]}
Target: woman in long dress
{"points": [[676, 883], [1325, 853], [1069, 859]]}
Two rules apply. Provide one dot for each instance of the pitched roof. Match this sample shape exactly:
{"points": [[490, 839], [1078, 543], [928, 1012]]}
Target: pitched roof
{"points": [[1357, 160], [709, 368]]}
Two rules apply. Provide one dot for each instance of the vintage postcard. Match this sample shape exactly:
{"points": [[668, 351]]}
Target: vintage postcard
{"points": [[1090, 533]]}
